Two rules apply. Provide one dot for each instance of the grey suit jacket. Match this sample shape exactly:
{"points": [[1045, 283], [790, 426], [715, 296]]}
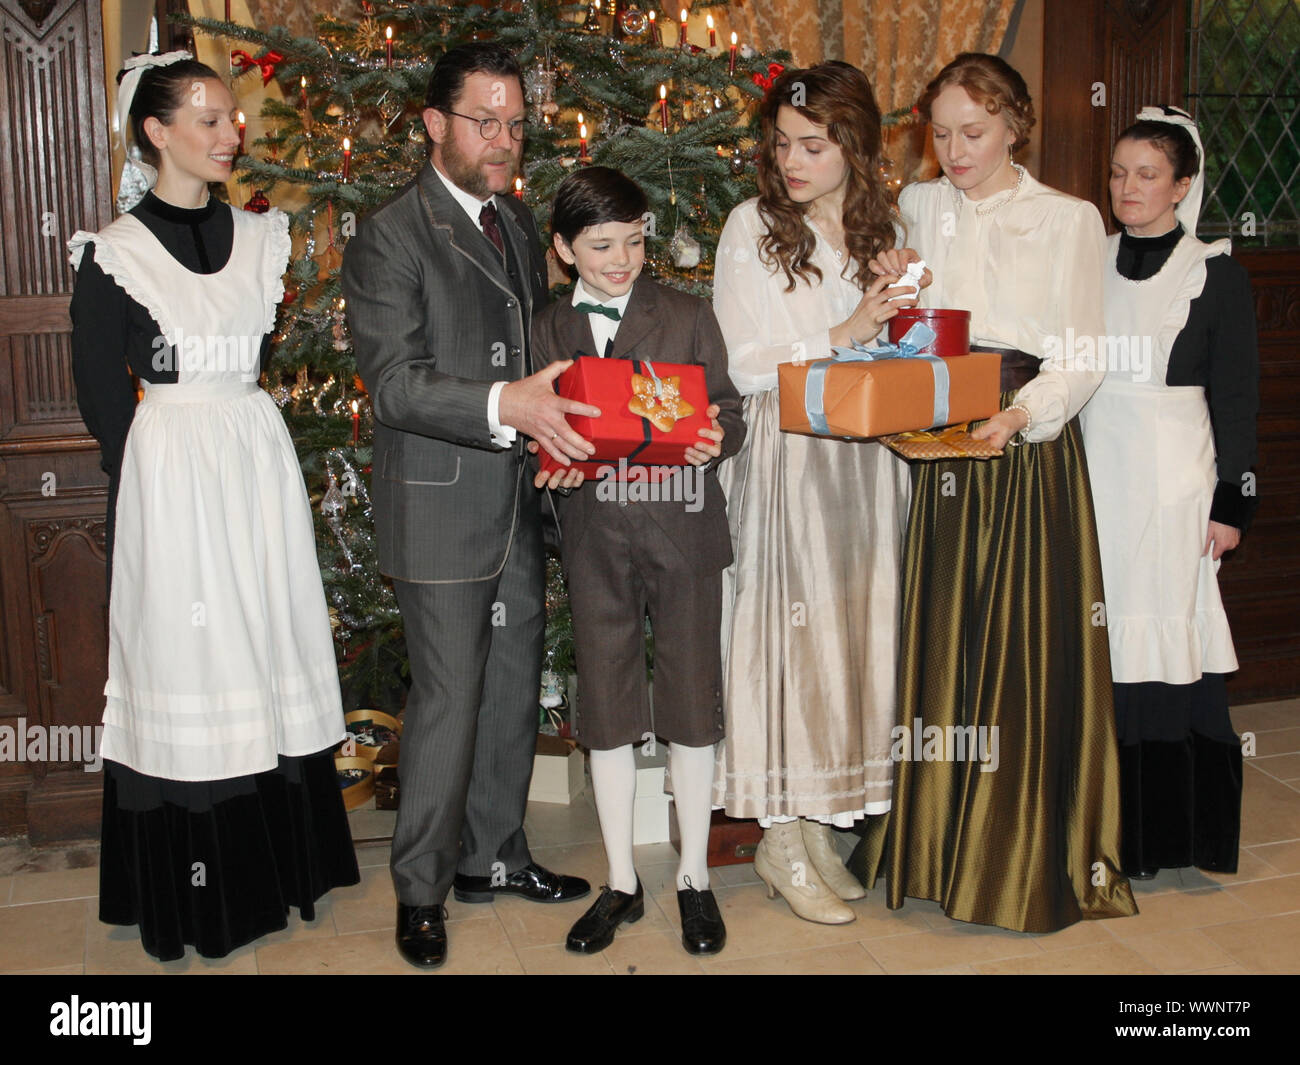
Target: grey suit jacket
{"points": [[662, 325], [435, 319]]}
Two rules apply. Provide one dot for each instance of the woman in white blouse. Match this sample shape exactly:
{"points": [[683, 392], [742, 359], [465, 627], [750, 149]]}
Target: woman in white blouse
{"points": [[1006, 795], [810, 628]]}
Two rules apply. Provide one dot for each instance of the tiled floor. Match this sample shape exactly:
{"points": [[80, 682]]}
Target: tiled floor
{"points": [[1189, 921]]}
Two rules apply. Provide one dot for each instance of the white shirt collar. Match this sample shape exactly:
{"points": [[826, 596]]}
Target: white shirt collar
{"points": [[581, 294], [470, 203]]}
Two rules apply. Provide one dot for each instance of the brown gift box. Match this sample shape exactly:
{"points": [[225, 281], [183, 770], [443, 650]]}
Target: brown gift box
{"points": [[866, 399]]}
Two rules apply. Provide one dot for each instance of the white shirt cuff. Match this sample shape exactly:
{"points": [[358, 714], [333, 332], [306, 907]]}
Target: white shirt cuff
{"points": [[502, 435]]}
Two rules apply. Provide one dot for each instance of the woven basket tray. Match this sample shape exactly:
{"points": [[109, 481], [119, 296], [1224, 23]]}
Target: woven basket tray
{"points": [[951, 443]]}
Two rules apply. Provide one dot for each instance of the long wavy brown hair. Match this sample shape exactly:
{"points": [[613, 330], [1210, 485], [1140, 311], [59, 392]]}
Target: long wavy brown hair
{"points": [[839, 97]]}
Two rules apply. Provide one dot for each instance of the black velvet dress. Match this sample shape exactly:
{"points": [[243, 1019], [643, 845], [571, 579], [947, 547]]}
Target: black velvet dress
{"points": [[268, 841]]}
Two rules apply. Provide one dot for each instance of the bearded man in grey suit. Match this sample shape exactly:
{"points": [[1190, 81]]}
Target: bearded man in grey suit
{"points": [[441, 282]]}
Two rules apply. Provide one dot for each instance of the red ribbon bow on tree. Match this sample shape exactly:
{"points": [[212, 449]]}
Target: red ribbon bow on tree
{"points": [[266, 63], [774, 71]]}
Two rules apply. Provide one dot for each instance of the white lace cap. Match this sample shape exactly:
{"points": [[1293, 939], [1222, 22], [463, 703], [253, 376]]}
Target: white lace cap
{"points": [[1188, 209], [138, 177]]}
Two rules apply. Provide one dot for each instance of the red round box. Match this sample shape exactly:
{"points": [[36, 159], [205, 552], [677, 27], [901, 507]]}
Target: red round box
{"points": [[951, 329]]}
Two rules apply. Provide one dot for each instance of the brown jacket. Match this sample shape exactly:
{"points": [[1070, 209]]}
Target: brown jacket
{"points": [[661, 325]]}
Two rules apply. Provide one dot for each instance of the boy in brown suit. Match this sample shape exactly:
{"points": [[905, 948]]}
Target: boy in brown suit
{"points": [[629, 549]]}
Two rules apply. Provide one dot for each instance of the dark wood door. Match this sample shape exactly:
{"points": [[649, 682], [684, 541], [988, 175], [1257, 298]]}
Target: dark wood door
{"points": [[1135, 51], [1261, 580], [54, 179]]}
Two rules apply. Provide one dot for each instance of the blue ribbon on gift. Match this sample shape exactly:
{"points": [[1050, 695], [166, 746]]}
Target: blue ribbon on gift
{"points": [[916, 338]]}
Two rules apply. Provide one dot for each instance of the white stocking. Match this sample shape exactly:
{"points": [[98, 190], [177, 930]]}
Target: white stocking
{"points": [[613, 778], [692, 772]]}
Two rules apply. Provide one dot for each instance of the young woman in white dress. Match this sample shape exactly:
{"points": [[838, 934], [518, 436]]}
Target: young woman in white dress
{"points": [[221, 804], [1170, 436], [810, 629]]}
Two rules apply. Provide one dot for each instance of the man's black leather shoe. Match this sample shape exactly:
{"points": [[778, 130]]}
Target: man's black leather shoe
{"points": [[532, 882], [594, 930], [702, 929], [421, 935]]}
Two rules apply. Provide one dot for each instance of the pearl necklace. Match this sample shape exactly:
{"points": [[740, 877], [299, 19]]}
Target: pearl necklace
{"points": [[1000, 200]]}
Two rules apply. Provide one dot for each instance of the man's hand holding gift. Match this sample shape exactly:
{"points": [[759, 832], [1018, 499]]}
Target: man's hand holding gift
{"points": [[531, 406]]}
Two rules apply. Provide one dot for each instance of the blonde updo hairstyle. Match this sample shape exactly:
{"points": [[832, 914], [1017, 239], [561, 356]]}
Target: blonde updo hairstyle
{"points": [[992, 82]]}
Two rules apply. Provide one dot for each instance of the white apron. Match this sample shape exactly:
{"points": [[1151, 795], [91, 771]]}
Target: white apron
{"points": [[1151, 462], [220, 655]]}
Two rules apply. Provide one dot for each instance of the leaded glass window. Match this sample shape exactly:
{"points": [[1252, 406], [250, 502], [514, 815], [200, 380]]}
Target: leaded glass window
{"points": [[1244, 89]]}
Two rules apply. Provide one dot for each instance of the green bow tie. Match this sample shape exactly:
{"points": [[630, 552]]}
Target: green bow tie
{"points": [[595, 308]]}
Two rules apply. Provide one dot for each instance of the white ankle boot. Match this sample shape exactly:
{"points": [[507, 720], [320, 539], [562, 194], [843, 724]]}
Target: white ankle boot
{"points": [[782, 862], [820, 844]]}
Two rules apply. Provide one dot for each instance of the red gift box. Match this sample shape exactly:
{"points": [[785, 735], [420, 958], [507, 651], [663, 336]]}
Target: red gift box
{"points": [[619, 433], [951, 329]]}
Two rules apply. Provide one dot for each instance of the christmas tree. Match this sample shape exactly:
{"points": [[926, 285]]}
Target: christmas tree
{"points": [[666, 100]]}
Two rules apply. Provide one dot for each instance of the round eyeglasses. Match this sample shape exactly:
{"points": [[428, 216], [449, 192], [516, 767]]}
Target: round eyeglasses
{"points": [[488, 128]]}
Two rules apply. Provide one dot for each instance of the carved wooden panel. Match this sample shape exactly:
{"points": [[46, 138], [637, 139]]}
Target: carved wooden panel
{"points": [[67, 561], [53, 629], [1146, 62], [1073, 130], [54, 179], [1261, 579], [43, 388], [1135, 52], [11, 657], [54, 143]]}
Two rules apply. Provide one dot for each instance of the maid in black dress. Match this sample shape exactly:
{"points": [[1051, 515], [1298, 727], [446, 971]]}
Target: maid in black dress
{"points": [[1171, 440], [221, 804]]}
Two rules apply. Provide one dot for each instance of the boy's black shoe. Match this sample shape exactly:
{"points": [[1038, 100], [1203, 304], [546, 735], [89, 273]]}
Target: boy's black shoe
{"points": [[594, 930], [702, 929]]}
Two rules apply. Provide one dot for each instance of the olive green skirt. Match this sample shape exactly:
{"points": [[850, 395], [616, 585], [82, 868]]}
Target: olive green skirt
{"points": [[1006, 798]]}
